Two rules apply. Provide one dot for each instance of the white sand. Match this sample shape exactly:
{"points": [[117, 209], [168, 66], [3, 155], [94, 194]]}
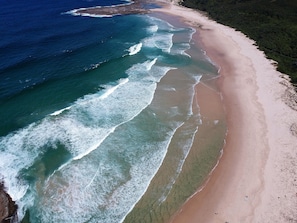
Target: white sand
{"points": [[256, 179]]}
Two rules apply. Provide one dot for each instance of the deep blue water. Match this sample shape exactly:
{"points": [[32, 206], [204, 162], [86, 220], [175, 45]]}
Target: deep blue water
{"points": [[42, 48], [82, 132]]}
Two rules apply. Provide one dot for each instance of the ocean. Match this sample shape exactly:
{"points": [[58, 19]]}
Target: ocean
{"points": [[94, 110]]}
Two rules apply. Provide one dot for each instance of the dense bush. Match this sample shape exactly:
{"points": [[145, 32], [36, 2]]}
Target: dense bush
{"points": [[271, 23]]}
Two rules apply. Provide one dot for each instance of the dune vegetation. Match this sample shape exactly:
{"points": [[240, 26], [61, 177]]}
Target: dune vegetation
{"points": [[271, 23]]}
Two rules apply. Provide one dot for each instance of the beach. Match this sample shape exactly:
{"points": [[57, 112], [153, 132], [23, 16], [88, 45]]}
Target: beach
{"points": [[255, 179], [178, 119]]}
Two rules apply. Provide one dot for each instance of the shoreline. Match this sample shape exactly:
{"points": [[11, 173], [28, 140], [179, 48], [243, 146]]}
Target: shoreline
{"points": [[255, 180]]}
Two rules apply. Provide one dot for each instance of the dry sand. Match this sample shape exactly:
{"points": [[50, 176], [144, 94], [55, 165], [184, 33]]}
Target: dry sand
{"points": [[256, 178]]}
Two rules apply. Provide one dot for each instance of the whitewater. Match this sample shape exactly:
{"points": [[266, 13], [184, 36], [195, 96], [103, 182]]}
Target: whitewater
{"points": [[90, 138]]}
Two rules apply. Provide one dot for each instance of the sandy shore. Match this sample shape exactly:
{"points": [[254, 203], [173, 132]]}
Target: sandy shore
{"points": [[256, 179]]}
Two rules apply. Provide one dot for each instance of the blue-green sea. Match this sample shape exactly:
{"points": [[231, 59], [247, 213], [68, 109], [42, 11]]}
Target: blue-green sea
{"points": [[87, 117]]}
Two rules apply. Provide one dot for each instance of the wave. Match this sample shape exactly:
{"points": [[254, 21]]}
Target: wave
{"points": [[111, 175], [112, 89], [152, 63], [135, 49], [154, 170], [76, 13], [181, 47], [81, 130], [185, 133], [148, 71], [93, 147], [60, 111], [161, 41], [162, 37], [143, 179], [22, 78], [116, 141], [152, 29]]}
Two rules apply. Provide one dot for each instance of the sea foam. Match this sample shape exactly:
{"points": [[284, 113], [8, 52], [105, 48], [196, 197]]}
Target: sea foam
{"points": [[135, 49], [60, 111], [116, 141]]}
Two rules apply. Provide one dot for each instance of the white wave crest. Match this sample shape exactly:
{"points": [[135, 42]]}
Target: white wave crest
{"points": [[135, 49], [161, 41], [76, 12], [152, 29], [60, 111]]}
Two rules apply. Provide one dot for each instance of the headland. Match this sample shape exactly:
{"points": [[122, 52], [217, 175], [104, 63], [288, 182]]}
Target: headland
{"points": [[8, 208], [135, 7]]}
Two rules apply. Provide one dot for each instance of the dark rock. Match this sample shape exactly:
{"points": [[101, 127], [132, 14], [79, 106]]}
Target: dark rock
{"points": [[8, 208], [137, 7]]}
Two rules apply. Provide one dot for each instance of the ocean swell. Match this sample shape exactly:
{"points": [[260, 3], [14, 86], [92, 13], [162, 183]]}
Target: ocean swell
{"points": [[93, 159]]}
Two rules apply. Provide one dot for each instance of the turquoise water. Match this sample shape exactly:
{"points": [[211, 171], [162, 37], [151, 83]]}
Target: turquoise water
{"points": [[83, 131]]}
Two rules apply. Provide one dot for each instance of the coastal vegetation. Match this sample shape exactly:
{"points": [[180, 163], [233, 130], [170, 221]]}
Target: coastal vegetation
{"points": [[271, 23]]}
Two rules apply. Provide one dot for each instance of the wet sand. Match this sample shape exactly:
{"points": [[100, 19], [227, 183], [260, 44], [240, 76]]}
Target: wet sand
{"points": [[255, 180], [158, 204]]}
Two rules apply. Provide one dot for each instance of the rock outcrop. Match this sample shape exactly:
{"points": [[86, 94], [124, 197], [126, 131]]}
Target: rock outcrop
{"points": [[8, 208]]}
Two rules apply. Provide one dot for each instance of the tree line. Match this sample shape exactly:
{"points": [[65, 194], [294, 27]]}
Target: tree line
{"points": [[271, 23]]}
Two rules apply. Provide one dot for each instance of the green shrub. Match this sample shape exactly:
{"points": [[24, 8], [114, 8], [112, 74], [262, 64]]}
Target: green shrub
{"points": [[271, 23]]}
